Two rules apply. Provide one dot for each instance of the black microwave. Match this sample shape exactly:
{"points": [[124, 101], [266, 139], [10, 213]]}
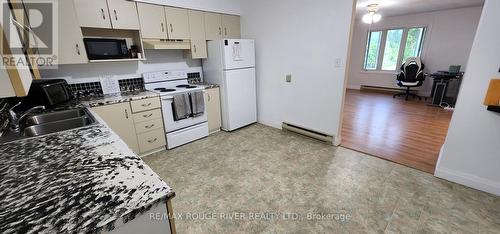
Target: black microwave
{"points": [[101, 48]]}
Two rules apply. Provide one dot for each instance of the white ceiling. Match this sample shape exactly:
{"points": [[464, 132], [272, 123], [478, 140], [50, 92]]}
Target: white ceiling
{"points": [[404, 7]]}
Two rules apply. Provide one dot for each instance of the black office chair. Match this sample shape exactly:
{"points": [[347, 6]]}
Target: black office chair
{"points": [[412, 75]]}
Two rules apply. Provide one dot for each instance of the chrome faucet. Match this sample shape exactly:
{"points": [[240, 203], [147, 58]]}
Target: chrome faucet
{"points": [[15, 120]]}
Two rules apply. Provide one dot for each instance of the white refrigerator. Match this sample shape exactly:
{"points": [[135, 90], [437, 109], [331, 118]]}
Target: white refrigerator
{"points": [[231, 65]]}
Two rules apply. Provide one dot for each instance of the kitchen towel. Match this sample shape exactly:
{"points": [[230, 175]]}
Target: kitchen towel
{"points": [[182, 109], [198, 103]]}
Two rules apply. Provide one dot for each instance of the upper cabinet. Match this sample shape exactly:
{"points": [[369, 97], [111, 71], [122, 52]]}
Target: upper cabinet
{"points": [[152, 20], [231, 26], [198, 40], [71, 47], [213, 26], [93, 13], [109, 14], [218, 26], [123, 14], [178, 23]]}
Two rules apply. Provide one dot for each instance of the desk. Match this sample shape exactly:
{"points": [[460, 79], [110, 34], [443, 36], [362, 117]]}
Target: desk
{"points": [[440, 87]]}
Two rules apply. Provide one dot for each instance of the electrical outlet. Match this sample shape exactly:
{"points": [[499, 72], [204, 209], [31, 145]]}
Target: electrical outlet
{"points": [[338, 62], [289, 78]]}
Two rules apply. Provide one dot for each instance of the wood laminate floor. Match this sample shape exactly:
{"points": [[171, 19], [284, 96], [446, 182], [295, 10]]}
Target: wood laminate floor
{"points": [[406, 132]]}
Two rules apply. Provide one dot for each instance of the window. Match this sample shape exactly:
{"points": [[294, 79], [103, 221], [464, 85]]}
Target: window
{"points": [[414, 40], [372, 50], [386, 50], [392, 47]]}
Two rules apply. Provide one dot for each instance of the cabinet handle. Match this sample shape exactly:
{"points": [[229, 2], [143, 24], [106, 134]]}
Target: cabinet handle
{"points": [[78, 49], [171, 28], [150, 126], [162, 28], [194, 47], [103, 15], [116, 15], [220, 31], [147, 116], [209, 97], [146, 105], [126, 113], [152, 141], [225, 31]]}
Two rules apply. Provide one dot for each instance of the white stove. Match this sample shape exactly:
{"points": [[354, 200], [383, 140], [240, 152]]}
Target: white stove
{"points": [[169, 84]]}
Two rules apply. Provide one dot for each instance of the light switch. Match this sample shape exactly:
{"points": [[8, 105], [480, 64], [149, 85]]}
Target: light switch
{"points": [[289, 78]]}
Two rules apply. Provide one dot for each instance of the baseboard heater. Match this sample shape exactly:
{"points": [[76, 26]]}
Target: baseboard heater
{"points": [[307, 132], [380, 89]]}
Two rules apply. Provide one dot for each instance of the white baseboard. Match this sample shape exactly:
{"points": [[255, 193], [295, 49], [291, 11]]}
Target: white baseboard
{"points": [[469, 180]]}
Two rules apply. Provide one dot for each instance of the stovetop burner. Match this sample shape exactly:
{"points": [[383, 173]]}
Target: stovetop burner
{"points": [[183, 86], [165, 90]]}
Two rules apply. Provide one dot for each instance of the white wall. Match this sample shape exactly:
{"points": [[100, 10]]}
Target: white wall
{"points": [[301, 39], [448, 42], [222, 6], [471, 155], [157, 60]]}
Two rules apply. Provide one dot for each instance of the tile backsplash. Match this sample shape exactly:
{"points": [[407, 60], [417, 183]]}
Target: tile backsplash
{"points": [[96, 89], [89, 87], [131, 84]]}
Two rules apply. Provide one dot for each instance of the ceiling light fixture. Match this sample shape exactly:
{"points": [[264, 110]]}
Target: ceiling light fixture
{"points": [[372, 16]]}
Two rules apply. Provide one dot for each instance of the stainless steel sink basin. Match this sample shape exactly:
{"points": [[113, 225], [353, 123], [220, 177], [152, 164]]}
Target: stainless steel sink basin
{"points": [[55, 116], [38, 125], [57, 126]]}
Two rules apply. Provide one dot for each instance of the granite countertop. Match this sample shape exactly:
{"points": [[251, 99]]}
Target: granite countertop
{"points": [[109, 99], [207, 85], [82, 180]]}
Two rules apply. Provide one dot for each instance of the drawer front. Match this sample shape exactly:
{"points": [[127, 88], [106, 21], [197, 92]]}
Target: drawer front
{"points": [[147, 116], [145, 104], [149, 125], [151, 140]]}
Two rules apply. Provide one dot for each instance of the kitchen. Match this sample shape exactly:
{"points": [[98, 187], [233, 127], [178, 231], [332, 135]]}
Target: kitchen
{"points": [[126, 82], [216, 116]]}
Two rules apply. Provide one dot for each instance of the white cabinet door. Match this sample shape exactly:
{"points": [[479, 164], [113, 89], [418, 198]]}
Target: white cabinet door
{"points": [[93, 13], [119, 118], [178, 23], [197, 29], [231, 26], [213, 26], [71, 47], [152, 21], [212, 98], [123, 14]]}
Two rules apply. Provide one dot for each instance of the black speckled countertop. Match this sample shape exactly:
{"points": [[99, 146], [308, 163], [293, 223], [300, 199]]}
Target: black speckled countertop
{"points": [[109, 99], [77, 181]]}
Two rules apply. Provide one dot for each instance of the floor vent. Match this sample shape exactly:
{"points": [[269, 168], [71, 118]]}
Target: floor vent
{"points": [[306, 132], [380, 89]]}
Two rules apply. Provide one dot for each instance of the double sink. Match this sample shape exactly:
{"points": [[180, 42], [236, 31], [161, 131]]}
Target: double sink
{"points": [[43, 124]]}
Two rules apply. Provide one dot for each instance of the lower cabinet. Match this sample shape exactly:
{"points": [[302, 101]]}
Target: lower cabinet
{"points": [[212, 99], [119, 118], [148, 122], [139, 123]]}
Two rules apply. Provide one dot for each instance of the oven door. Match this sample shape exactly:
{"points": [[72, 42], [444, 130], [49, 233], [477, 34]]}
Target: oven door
{"points": [[168, 117]]}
